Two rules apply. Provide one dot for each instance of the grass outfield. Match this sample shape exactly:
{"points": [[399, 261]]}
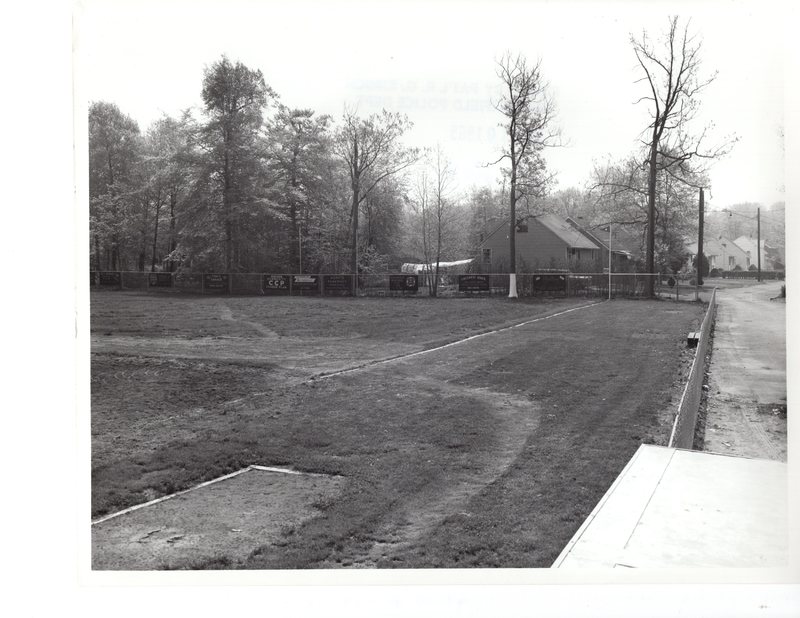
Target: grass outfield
{"points": [[489, 453]]}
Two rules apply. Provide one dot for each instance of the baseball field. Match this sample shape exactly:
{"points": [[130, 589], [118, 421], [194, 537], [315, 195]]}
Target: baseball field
{"points": [[463, 432]]}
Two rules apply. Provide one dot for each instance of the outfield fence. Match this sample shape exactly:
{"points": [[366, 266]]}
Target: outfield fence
{"points": [[683, 428], [545, 283]]}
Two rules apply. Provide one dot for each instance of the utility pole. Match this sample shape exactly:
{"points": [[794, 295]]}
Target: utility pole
{"points": [[699, 277], [758, 240]]}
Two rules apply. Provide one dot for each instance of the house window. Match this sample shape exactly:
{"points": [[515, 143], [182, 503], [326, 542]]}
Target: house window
{"points": [[731, 261], [487, 256]]}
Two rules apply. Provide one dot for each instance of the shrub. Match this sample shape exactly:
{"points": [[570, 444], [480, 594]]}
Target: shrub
{"points": [[715, 272], [704, 272]]}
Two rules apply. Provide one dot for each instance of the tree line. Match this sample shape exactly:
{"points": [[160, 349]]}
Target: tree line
{"points": [[249, 184]]}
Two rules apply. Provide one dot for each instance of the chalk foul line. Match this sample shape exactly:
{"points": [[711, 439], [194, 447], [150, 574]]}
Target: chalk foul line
{"points": [[452, 343]]}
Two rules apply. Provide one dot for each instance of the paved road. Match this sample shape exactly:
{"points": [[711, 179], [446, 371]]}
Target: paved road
{"points": [[747, 382]]}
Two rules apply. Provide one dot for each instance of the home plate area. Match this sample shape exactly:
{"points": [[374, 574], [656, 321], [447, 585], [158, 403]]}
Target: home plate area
{"points": [[214, 525]]}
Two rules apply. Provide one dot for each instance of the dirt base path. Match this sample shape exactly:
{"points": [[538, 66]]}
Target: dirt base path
{"points": [[746, 413]]}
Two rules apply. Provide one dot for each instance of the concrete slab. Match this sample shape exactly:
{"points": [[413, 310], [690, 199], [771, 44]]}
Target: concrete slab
{"points": [[214, 525], [671, 508]]}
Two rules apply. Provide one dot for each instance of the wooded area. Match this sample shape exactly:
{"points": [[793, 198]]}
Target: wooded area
{"points": [[248, 184]]}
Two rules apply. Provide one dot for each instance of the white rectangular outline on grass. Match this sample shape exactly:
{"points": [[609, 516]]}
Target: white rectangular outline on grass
{"points": [[225, 477]]}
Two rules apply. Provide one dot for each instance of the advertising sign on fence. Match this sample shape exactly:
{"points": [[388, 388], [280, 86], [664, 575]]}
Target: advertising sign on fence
{"points": [[217, 283], [550, 283], [403, 283], [276, 284], [338, 285], [305, 283], [160, 280], [473, 283], [110, 278], [188, 281]]}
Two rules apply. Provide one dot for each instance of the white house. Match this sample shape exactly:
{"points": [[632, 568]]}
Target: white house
{"points": [[748, 245], [721, 253]]}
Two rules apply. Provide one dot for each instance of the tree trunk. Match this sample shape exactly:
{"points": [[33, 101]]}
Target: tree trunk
{"points": [[97, 265], [114, 252], [294, 242], [512, 235], [356, 187], [226, 202], [651, 218], [173, 243], [155, 238], [438, 252]]}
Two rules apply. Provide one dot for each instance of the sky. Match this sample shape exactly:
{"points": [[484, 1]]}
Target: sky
{"points": [[436, 62]]}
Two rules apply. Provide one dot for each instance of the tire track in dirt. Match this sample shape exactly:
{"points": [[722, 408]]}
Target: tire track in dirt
{"points": [[514, 417], [513, 420]]}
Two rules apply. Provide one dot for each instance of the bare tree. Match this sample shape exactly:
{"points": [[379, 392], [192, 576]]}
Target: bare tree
{"points": [[436, 210], [672, 72], [422, 210], [371, 151], [528, 114]]}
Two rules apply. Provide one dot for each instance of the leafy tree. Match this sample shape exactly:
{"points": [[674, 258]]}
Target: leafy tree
{"points": [[231, 193], [571, 202], [114, 151], [527, 112], [300, 149], [619, 195], [485, 208], [381, 217], [371, 151], [165, 172]]}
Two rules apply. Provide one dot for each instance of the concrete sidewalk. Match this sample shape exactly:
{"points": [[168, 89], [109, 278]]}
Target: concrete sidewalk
{"points": [[674, 508], [746, 412]]}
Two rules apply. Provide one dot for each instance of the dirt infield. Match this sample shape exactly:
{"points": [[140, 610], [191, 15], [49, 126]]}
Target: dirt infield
{"points": [[488, 453]]}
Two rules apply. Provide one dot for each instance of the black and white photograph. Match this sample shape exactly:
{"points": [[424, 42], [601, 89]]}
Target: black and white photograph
{"points": [[398, 293]]}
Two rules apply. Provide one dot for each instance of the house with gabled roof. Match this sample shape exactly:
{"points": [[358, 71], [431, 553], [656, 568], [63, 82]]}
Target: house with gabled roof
{"points": [[542, 242], [721, 253], [623, 254]]}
